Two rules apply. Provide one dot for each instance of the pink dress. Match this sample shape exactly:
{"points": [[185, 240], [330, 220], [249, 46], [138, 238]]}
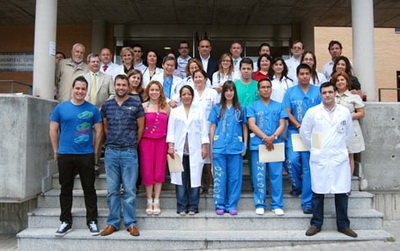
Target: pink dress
{"points": [[153, 148]]}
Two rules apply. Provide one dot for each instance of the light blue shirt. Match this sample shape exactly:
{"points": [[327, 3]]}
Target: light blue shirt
{"points": [[299, 102], [267, 119], [228, 138]]}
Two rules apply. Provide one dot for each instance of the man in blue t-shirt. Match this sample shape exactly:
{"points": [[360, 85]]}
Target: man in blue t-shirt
{"points": [[123, 124], [298, 99], [71, 133]]}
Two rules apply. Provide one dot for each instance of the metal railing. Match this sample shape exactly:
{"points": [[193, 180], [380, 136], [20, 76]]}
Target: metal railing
{"points": [[388, 89], [12, 86]]}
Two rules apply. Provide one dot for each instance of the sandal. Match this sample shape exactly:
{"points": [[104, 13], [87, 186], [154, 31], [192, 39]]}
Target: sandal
{"points": [[149, 207], [156, 207]]}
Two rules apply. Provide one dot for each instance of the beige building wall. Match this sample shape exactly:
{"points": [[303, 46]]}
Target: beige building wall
{"points": [[387, 54]]}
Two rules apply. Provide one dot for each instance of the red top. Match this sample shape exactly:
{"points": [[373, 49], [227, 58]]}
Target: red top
{"points": [[257, 76]]}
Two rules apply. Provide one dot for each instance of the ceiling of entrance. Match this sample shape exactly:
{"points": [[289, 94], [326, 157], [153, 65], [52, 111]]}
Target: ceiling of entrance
{"points": [[199, 12]]}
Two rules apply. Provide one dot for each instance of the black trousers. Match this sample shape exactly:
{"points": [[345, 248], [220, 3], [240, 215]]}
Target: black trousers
{"points": [[67, 166], [341, 204]]}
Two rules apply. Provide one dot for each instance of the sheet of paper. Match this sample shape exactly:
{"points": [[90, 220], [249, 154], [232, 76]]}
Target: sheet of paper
{"points": [[276, 155], [298, 145], [316, 141], [175, 165]]}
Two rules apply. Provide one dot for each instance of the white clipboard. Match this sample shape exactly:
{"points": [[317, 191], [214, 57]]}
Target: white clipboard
{"points": [[276, 155], [175, 165]]}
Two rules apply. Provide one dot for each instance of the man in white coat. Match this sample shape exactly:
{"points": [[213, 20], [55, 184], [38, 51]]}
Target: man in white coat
{"points": [[326, 130]]}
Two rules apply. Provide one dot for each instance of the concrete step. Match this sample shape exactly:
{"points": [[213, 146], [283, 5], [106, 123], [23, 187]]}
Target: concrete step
{"points": [[365, 219], [361, 200], [39, 239], [101, 183]]}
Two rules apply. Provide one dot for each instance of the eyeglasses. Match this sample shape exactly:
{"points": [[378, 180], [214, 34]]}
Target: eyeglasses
{"points": [[137, 51], [225, 61]]}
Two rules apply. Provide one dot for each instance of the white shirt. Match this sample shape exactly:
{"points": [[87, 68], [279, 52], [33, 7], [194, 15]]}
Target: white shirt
{"points": [[292, 64], [146, 75], [112, 69], [279, 88], [141, 67], [220, 79], [236, 63], [327, 70], [204, 62]]}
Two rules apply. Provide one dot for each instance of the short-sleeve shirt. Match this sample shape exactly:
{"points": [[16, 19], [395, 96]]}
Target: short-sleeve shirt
{"points": [[247, 94], [299, 102], [267, 119], [228, 137], [76, 126], [122, 122]]}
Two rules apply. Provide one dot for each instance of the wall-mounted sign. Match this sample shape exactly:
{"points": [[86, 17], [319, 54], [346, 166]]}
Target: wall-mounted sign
{"points": [[16, 61]]}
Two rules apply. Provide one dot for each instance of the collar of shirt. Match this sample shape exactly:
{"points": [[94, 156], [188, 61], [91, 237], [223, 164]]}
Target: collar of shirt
{"points": [[95, 74], [329, 111], [72, 63], [346, 93], [205, 59]]}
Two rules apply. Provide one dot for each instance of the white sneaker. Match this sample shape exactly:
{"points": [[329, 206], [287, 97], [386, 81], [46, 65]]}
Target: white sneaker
{"points": [[278, 212], [64, 228], [260, 211]]}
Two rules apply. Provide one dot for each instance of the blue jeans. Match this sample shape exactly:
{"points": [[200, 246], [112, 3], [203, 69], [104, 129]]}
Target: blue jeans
{"points": [[227, 180], [260, 185], [298, 167], [187, 197], [121, 169], [341, 205]]}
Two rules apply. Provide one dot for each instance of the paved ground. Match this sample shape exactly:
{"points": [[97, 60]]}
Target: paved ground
{"points": [[9, 243]]}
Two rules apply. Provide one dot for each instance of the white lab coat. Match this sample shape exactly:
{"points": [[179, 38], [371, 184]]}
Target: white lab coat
{"points": [[146, 75], [176, 81], [329, 166], [195, 125], [279, 88]]}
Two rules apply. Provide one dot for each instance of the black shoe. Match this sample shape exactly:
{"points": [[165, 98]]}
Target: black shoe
{"points": [[64, 228], [307, 210], [295, 193], [312, 230], [348, 231], [94, 230]]}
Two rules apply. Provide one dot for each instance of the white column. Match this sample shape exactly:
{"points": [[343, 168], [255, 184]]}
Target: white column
{"points": [[307, 34], [362, 17], [98, 35], [44, 49]]}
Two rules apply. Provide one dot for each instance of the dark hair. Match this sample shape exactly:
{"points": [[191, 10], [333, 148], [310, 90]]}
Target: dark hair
{"points": [[246, 61], [148, 54], [264, 44], [184, 42], [262, 80], [236, 42], [202, 73], [314, 74], [121, 76], [80, 79], [303, 66], [327, 84], [168, 58], [270, 63], [60, 52], [348, 65], [137, 45], [229, 85], [187, 87], [205, 39], [333, 42], [285, 68]]}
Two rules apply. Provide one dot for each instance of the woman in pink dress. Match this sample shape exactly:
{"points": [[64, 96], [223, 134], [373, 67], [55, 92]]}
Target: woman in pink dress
{"points": [[153, 146]]}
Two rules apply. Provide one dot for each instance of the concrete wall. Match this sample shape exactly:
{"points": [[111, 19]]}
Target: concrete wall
{"points": [[381, 159], [25, 151]]}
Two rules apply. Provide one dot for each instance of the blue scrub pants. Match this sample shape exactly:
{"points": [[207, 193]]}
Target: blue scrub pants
{"points": [[298, 167], [227, 170], [260, 185]]}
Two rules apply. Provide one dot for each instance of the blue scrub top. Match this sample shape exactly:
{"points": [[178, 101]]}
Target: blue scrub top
{"points": [[167, 85], [267, 119], [300, 102], [228, 138]]}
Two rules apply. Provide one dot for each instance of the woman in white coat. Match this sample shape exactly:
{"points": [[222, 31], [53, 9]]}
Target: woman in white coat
{"points": [[187, 137], [169, 81], [151, 70], [317, 78], [205, 98]]}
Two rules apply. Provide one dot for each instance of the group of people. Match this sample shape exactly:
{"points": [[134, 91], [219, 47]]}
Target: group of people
{"points": [[208, 114]]}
